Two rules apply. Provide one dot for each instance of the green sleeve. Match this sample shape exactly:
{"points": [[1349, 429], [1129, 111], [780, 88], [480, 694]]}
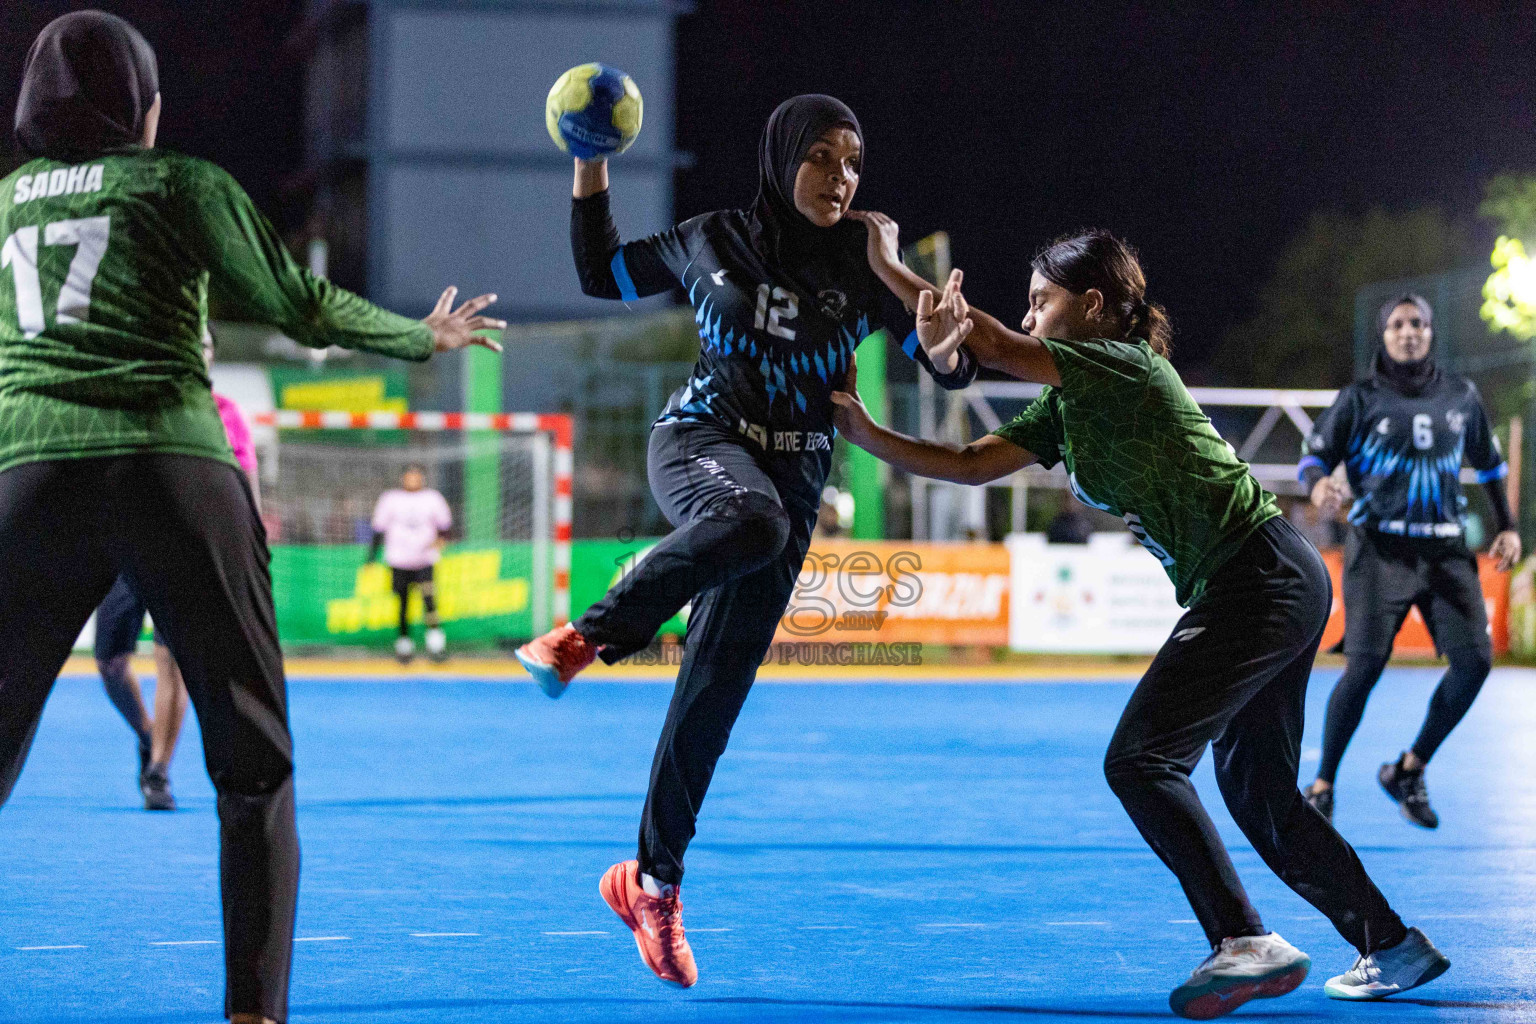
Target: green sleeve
{"points": [[1038, 429], [252, 274]]}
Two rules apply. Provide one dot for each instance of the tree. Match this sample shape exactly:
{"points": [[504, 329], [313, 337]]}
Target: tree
{"points": [[1303, 333], [1509, 200], [1509, 296]]}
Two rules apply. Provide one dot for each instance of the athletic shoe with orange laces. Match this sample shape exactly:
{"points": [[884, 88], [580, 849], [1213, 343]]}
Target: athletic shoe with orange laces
{"points": [[554, 658], [657, 922]]}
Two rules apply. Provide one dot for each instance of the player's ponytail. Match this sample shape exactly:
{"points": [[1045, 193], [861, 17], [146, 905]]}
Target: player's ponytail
{"points": [[1095, 258]]}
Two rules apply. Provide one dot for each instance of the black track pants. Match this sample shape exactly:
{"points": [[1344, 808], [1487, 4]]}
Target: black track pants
{"points": [[1234, 675], [1452, 699], [1384, 577], [736, 552], [185, 530]]}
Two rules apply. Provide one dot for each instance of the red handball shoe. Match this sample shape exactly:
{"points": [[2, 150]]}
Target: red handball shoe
{"points": [[554, 658], [657, 922]]}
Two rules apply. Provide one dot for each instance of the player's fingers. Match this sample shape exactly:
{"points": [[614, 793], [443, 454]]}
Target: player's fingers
{"points": [[953, 284], [484, 342], [475, 304], [485, 323], [851, 382], [925, 305], [964, 330], [445, 300]]}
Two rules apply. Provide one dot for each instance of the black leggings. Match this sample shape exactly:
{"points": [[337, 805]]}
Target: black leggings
{"points": [[736, 553], [1452, 698], [1234, 675], [185, 530], [401, 581]]}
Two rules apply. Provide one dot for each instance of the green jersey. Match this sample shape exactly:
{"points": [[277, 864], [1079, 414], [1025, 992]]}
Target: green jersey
{"points": [[105, 272], [1138, 446]]}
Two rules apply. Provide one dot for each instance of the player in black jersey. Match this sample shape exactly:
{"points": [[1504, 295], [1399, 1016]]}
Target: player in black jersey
{"points": [[1402, 434], [783, 293]]}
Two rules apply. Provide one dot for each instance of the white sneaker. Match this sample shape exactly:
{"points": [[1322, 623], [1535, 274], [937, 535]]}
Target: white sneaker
{"points": [[437, 644], [1242, 968], [1413, 962], [405, 649]]}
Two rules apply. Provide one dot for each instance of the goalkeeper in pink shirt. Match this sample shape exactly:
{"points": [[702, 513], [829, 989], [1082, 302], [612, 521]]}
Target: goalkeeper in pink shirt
{"points": [[410, 524]]}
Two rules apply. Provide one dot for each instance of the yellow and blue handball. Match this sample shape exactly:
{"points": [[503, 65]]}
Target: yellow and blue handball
{"points": [[593, 111]]}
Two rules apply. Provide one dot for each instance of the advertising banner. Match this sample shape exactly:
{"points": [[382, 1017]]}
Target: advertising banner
{"points": [[1104, 597], [329, 595], [895, 592], [1109, 597]]}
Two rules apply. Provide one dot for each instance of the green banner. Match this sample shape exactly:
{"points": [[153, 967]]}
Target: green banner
{"points": [[327, 595], [597, 565], [298, 387]]}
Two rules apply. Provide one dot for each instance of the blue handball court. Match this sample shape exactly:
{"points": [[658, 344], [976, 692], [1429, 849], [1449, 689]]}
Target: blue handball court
{"points": [[871, 851]]}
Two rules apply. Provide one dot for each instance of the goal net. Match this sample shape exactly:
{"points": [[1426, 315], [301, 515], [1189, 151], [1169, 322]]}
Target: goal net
{"points": [[504, 573]]}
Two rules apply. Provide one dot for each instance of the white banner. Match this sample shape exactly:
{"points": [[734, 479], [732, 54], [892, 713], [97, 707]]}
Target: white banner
{"points": [[1104, 597]]}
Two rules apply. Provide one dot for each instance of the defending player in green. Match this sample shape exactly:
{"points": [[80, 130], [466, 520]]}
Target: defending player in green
{"points": [[1234, 673], [113, 457]]}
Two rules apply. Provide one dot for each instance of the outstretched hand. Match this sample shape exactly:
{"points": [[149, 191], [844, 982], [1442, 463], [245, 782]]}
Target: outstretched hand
{"points": [[884, 238], [453, 329], [849, 415], [943, 324]]}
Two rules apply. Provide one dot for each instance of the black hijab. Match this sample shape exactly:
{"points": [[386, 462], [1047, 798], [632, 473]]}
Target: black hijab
{"points": [[1408, 379], [817, 259], [89, 80]]}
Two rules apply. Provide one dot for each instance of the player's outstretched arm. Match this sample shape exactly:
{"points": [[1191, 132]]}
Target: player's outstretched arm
{"points": [[251, 272], [983, 460], [945, 321], [608, 267], [884, 254]]}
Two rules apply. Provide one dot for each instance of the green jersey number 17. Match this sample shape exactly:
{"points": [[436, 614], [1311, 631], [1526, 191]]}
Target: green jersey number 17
{"points": [[89, 236]]}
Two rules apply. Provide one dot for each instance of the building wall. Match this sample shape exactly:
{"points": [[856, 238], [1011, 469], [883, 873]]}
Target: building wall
{"points": [[465, 186]]}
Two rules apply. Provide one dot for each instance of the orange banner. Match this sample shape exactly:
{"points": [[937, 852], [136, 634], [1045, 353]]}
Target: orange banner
{"points": [[894, 592], [1413, 640]]}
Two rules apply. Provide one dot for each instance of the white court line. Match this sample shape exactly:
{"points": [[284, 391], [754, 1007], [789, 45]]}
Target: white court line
{"points": [[443, 935], [1183, 920], [324, 938], [188, 942], [28, 949], [957, 925], [582, 933], [1076, 924]]}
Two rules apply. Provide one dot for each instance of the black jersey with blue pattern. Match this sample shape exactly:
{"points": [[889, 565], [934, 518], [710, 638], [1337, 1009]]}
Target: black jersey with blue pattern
{"points": [[1403, 453], [771, 352]]}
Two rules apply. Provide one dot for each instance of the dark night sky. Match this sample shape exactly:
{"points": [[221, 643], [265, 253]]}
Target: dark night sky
{"points": [[1207, 138], [231, 95]]}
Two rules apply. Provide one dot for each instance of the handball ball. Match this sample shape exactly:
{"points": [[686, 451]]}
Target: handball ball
{"points": [[593, 111]]}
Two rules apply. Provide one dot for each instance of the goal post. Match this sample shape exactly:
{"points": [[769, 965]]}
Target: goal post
{"points": [[504, 574]]}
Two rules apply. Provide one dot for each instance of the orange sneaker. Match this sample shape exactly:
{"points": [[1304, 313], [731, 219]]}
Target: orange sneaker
{"points": [[554, 658], [657, 922]]}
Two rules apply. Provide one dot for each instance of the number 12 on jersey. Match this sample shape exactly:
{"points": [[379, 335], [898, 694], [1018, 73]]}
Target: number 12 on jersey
{"points": [[786, 307], [89, 236]]}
